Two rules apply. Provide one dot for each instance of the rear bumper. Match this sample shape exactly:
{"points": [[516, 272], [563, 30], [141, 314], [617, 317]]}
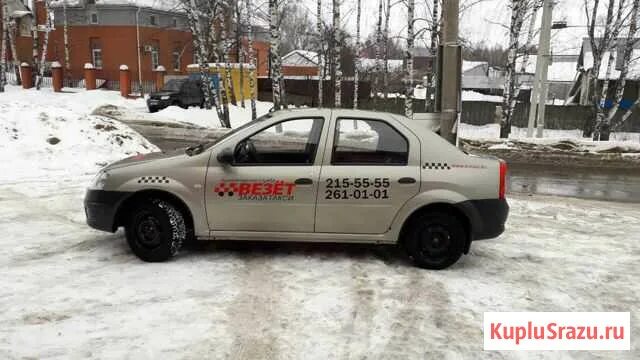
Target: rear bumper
{"points": [[100, 207], [157, 103], [487, 217]]}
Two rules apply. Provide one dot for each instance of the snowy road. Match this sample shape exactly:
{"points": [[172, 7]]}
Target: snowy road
{"points": [[69, 291]]}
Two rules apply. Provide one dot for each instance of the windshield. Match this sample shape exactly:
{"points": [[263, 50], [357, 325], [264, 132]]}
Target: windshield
{"points": [[173, 85], [197, 149]]}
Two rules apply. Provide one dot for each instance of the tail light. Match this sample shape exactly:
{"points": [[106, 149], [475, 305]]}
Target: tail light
{"points": [[503, 179]]}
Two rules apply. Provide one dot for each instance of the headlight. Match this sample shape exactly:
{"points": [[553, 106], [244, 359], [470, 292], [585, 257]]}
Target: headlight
{"points": [[165, 97], [100, 180]]}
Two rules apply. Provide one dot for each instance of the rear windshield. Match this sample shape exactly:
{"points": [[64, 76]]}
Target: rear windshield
{"points": [[174, 85]]}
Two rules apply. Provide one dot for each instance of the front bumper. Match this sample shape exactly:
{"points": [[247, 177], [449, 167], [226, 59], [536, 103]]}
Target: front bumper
{"points": [[157, 103], [101, 206], [487, 217]]}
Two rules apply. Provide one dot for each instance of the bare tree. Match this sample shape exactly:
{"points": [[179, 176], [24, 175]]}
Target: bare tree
{"points": [[336, 54], [202, 55], [320, 52], [240, 50], [252, 60], [356, 75], [378, 45], [408, 100], [45, 43], [433, 48], [518, 13], [67, 48], [11, 34], [277, 83], [530, 34], [385, 75], [601, 130], [629, 45], [3, 50]]}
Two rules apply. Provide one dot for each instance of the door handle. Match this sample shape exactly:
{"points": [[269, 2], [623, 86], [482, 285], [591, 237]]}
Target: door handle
{"points": [[303, 181], [407, 180]]}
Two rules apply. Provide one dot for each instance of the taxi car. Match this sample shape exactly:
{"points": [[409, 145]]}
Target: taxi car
{"points": [[319, 175]]}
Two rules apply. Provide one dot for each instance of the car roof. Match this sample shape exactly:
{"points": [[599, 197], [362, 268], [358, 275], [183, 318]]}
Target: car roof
{"points": [[338, 112]]}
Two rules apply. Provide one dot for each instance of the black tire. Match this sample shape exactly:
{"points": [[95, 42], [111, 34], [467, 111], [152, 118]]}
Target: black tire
{"points": [[155, 230], [435, 240], [153, 109]]}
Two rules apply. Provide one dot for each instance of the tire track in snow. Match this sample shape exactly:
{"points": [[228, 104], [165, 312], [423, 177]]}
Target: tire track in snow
{"points": [[253, 313]]}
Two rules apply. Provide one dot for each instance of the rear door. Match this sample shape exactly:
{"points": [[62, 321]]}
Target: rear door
{"points": [[371, 167]]}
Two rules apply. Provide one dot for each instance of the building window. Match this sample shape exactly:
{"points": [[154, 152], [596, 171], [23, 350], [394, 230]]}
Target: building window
{"points": [[176, 60], [152, 20], [96, 57], [94, 18], [155, 58], [91, 2], [174, 22]]}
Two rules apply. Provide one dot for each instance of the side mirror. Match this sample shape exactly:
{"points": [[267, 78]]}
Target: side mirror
{"points": [[225, 156]]}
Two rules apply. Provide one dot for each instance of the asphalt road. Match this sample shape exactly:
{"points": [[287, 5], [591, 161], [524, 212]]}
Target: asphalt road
{"points": [[585, 183]]}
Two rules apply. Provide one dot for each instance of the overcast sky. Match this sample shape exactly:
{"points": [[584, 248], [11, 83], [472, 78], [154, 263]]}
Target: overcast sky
{"points": [[479, 23]]}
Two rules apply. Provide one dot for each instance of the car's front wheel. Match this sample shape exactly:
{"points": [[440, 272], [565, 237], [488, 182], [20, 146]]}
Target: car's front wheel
{"points": [[435, 240], [155, 230]]}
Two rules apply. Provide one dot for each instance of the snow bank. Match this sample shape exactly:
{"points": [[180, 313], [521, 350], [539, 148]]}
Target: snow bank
{"points": [[208, 118], [53, 135], [568, 139], [468, 95]]}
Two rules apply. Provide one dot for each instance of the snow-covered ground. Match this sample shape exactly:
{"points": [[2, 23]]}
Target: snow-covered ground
{"points": [[572, 140], [69, 291]]}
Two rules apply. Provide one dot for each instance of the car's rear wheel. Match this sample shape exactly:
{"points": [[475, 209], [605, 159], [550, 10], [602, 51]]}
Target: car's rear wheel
{"points": [[155, 230], [153, 109], [435, 240]]}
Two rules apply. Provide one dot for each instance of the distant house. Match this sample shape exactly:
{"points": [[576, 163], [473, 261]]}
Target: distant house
{"points": [[480, 77], [561, 75], [300, 64], [423, 62], [579, 92]]}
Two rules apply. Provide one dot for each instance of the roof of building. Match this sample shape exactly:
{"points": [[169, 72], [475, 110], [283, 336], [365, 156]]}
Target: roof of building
{"points": [[586, 60], [165, 5], [367, 64], [562, 67], [301, 58]]}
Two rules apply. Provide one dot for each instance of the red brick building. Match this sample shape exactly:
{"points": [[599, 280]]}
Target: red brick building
{"points": [[107, 35]]}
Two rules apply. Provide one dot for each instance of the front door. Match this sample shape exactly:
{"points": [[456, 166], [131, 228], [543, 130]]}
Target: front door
{"points": [[272, 183], [371, 168]]}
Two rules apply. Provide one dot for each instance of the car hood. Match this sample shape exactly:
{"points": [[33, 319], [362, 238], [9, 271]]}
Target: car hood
{"points": [[144, 158]]}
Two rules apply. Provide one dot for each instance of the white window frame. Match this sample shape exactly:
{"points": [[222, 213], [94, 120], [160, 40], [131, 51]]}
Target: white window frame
{"points": [[91, 15], [96, 64], [155, 58], [174, 23], [176, 59], [153, 20]]}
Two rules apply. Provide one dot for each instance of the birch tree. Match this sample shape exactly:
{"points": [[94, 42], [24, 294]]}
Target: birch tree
{"points": [[376, 73], [320, 52], [629, 45], [530, 34], [67, 49], [202, 55], [601, 130], [239, 50], [385, 75], [45, 44], [408, 100], [433, 48], [356, 75], [274, 56], [226, 84], [252, 60], [518, 12], [3, 46], [600, 44], [336, 53], [12, 34]]}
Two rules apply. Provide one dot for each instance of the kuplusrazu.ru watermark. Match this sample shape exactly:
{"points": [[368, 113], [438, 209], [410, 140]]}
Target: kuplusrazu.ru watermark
{"points": [[557, 331]]}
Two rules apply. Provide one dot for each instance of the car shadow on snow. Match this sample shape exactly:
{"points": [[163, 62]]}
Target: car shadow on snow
{"points": [[389, 254]]}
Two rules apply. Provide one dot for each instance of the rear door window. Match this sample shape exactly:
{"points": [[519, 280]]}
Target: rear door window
{"points": [[368, 142]]}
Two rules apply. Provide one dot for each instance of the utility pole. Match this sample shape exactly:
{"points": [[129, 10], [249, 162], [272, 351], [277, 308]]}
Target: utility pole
{"points": [[540, 86], [451, 63]]}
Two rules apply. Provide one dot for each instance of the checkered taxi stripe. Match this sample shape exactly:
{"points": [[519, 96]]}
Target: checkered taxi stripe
{"points": [[153, 180], [436, 166]]}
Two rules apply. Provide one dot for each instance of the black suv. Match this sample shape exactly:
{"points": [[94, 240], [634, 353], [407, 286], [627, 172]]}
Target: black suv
{"points": [[177, 92]]}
